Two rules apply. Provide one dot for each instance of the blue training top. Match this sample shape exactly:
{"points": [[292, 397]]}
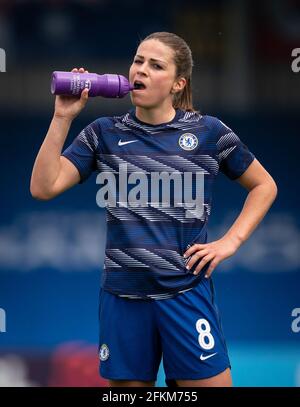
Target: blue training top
{"points": [[156, 182]]}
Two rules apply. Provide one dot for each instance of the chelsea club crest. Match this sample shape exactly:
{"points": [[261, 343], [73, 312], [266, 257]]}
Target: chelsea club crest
{"points": [[103, 352], [188, 141]]}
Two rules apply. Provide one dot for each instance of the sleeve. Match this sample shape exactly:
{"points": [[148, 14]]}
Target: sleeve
{"points": [[234, 156], [82, 151]]}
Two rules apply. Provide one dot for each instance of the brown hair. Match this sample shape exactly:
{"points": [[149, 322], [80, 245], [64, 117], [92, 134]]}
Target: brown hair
{"points": [[184, 65]]}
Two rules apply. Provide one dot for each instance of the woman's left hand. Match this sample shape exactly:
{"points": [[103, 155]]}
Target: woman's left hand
{"points": [[213, 252]]}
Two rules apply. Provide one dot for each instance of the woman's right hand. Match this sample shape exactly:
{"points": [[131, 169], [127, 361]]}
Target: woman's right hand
{"points": [[68, 107]]}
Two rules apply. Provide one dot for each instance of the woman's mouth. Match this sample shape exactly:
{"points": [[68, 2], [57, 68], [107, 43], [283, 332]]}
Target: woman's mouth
{"points": [[138, 85]]}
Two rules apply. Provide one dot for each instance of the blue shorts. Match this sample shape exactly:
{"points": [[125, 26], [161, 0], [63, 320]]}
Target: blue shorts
{"points": [[185, 330]]}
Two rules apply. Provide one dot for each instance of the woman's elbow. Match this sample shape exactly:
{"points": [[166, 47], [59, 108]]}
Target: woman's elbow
{"points": [[272, 189], [38, 194]]}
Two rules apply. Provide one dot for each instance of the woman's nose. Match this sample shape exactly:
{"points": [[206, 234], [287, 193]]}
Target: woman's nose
{"points": [[142, 70]]}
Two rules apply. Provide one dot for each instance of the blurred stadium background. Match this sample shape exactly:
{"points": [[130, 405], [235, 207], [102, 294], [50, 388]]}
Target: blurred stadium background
{"points": [[51, 252]]}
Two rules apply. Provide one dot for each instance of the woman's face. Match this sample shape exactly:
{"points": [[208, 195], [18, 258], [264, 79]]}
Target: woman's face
{"points": [[153, 65]]}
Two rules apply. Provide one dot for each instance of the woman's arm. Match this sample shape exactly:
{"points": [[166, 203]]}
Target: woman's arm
{"points": [[52, 174], [262, 193]]}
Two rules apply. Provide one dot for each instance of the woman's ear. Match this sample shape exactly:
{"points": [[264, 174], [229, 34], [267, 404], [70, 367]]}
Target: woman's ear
{"points": [[178, 85]]}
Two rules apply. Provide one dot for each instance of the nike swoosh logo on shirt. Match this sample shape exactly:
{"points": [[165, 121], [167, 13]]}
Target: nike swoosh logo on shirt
{"points": [[122, 143], [208, 356]]}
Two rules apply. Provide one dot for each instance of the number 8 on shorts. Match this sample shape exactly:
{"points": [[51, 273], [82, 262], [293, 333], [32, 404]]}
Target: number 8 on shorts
{"points": [[205, 338]]}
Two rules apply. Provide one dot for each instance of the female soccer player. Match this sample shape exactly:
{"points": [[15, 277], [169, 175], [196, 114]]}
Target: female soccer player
{"points": [[157, 163]]}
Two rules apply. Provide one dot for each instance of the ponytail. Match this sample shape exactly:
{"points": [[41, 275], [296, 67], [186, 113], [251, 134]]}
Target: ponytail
{"points": [[184, 99]]}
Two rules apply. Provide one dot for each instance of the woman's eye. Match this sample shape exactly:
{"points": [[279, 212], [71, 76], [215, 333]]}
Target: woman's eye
{"points": [[156, 66]]}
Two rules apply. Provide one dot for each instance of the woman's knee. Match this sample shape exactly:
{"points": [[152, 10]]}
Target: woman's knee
{"points": [[130, 383]]}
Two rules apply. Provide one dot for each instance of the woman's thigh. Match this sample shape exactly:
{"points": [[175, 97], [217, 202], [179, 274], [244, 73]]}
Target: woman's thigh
{"points": [[221, 380], [193, 343], [129, 344]]}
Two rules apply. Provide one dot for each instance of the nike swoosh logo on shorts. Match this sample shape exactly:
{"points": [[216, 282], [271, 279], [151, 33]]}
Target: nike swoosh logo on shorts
{"points": [[122, 143], [208, 356]]}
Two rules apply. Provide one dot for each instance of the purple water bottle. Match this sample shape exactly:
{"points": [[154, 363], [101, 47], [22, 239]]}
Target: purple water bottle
{"points": [[73, 83]]}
